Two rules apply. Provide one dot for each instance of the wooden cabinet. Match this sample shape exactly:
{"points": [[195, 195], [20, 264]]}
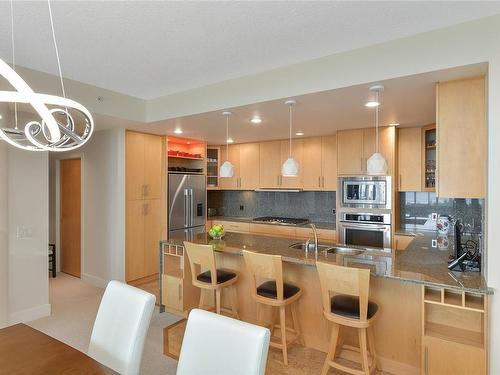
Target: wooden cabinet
{"points": [[461, 138], [409, 176], [230, 183], [350, 152], [273, 230], [402, 242], [143, 209], [329, 162], [249, 166], [297, 154], [143, 161], [442, 357], [270, 164], [233, 226], [354, 148], [245, 160], [319, 163]]}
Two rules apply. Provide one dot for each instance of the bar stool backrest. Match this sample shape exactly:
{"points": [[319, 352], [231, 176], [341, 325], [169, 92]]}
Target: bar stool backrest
{"points": [[350, 281], [201, 258], [262, 267]]}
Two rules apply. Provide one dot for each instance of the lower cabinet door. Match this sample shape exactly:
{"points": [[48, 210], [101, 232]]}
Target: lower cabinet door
{"points": [[172, 292], [442, 357]]}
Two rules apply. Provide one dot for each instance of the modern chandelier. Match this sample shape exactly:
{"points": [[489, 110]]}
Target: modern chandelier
{"points": [[56, 130]]}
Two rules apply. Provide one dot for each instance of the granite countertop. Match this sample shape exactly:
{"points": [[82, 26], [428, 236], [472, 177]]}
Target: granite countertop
{"points": [[419, 263], [319, 225]]}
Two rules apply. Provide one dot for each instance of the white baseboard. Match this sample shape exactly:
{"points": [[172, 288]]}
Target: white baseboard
{"points": [[27, 315], [94, 280]]}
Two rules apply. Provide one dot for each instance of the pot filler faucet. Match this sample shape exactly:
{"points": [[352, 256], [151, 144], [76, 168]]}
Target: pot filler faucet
{"points": [[315, 234]]}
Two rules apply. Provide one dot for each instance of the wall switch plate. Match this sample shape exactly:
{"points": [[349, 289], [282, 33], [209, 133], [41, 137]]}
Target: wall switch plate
{"points": [[434, 216], [334, 211], [434, 243], [242, 207]]}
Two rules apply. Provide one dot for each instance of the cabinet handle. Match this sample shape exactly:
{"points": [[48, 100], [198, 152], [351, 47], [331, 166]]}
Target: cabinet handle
{"points": [[278, 179], [319, 181], [400, 179]]}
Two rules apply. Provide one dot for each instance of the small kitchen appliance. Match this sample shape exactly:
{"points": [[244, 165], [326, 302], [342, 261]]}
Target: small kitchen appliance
{"points": [[373, 192]]}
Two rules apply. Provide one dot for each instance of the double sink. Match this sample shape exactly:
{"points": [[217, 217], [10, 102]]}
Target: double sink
{"points": [[327, 248]]}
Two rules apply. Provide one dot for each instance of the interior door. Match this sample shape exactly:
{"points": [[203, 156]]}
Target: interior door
{"points": [[70, 219]]}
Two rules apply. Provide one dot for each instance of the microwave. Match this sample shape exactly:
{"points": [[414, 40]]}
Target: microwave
{"points": [[365, 192]]}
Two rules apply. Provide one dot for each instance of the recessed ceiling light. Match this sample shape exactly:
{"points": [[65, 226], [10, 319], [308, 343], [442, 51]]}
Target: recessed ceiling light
{"points": [[256, 120], [178, 131], [1, 117], [394, 124], [372, 104], [230, 140], [299, 133]]}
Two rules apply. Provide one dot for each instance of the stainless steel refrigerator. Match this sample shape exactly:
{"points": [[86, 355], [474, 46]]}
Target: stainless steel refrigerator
{"points": [[186, 205]]}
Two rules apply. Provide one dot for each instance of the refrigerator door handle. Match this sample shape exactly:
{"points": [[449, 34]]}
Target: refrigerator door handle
{"points": [[186, 208], [191, 207]]}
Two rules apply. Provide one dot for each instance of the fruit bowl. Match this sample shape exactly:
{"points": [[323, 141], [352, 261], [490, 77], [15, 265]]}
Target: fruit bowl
{"points": [[217, 232]]}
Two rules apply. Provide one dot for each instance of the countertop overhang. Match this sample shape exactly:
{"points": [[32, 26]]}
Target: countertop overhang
{"points": [[420, 263]]}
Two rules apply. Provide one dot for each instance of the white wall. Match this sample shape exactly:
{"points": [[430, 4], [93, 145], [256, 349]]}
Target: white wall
{"points": [[103, 205], [28, 284]]}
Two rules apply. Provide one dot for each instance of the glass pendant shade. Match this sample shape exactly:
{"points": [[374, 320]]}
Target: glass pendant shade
{"points": [[290, 168], [226, 169], [377, 164]]}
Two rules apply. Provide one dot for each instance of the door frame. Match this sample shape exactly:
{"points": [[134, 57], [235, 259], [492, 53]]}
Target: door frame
{"points": [[58, 209]]}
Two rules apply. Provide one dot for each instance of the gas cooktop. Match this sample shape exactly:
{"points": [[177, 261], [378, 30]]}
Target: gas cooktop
{"points": [[281, 220]]}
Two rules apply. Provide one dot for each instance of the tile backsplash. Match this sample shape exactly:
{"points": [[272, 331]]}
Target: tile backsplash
{"points": [[416, 209], [312, 205]]}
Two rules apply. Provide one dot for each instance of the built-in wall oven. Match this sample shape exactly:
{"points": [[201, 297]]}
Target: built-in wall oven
{"points": [[372, 192], [371, 230]]}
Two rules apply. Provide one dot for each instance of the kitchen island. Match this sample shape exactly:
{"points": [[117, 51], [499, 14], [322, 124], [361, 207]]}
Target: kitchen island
{"points": [[400, 284]]}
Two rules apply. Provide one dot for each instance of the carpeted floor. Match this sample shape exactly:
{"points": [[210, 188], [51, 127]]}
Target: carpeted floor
{"points": [[74, 308]]}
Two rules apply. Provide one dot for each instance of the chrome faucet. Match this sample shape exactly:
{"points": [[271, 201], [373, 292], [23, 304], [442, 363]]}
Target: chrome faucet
{"points": [[315, 237]]}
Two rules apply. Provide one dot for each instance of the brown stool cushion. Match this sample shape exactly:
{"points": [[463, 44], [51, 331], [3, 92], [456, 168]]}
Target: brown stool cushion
{"points": [[222, 276], [348, 306], [268, 290]]}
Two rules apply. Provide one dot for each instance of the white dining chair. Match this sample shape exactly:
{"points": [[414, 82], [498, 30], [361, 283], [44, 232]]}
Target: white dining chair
{"points": [[121, 327], [217, 345]]}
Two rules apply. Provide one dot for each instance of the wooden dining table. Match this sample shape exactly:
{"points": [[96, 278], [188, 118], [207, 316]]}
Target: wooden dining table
{"points": [[24, 350]]}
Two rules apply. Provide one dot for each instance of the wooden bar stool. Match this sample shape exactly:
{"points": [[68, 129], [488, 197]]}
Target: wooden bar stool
{"points": [[202, 263], [275, 293], [345, 293]]}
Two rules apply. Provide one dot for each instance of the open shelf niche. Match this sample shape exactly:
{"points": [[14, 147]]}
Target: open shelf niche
{"points": [[186, 155]]}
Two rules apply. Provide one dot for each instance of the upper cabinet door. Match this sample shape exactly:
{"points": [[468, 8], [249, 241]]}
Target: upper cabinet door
{"points": [[249, 166], [329, 163], [350, 152], [134, 155], [461, 138], [230, 183], [311, 164], [297, 154], [270, 164], [386, 146], [153, 156], [409, 176]]}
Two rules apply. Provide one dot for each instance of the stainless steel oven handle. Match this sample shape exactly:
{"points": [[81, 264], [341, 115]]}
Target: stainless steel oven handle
{"points": [[381, 227]]}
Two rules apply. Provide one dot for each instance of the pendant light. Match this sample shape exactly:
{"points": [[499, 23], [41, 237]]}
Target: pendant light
{"points": [[49, 133], [290, 167], [376, 164], [227, 169]]}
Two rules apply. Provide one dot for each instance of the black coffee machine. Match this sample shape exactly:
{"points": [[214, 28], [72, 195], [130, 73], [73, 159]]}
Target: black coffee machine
{"points": [[466, 256]]}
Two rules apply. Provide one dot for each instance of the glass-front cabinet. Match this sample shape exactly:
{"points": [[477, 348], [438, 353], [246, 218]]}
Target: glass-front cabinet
{"points": [[429, 145], [213, 157]]}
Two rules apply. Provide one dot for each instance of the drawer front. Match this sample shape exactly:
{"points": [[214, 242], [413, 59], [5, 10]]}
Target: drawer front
{"points": [[273, 230], [233, 226]]}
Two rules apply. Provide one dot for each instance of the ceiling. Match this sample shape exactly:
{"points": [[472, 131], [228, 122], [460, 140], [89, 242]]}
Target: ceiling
{"points": [[409, 101], [150, 49]]}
